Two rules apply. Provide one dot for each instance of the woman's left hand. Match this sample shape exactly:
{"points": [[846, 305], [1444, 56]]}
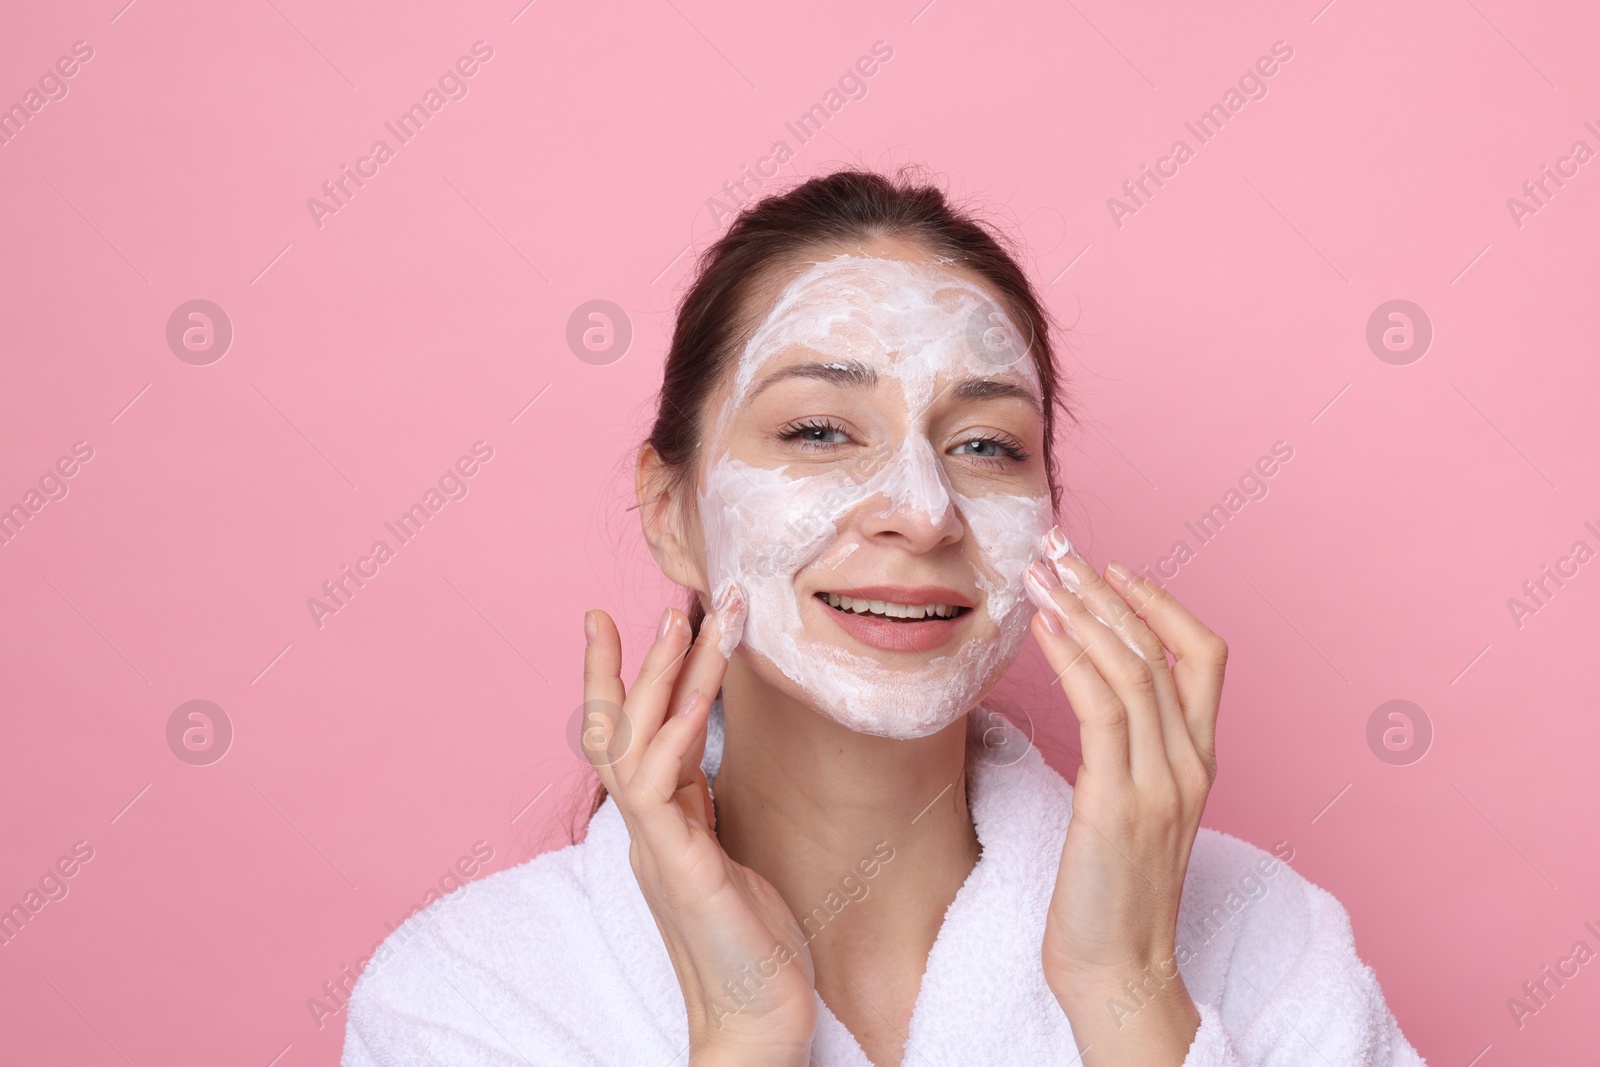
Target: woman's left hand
{"points": [[1149, 757]]}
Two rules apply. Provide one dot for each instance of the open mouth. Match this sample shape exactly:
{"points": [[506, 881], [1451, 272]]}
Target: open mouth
{"points": [[891, 611], [899, 618]]}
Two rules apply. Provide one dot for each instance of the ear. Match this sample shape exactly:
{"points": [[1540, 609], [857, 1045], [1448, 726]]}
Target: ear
{"points": [[668, 520]]}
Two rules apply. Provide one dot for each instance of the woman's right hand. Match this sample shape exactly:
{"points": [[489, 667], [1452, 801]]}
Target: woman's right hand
{"points": [[721, 922]]}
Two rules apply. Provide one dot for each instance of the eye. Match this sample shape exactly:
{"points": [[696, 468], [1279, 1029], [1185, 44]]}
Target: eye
{"points": [[814, 433], [991, 448]]}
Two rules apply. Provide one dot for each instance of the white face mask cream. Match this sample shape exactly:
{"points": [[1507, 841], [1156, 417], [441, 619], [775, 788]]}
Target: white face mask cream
{"points": [[918, 330]]}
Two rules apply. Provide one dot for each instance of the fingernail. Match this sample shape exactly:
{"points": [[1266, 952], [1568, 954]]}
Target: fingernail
{"points": [[686, 705], [1065, 569], [1054, 620], [666, 623], [1051, 623], [1056, 545], [590, 630], [731, 608], [1044, 574], [1122, 574]]}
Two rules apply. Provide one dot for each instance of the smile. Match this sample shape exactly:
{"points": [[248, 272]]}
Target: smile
{"points": [[889, 609], [898, 618]]}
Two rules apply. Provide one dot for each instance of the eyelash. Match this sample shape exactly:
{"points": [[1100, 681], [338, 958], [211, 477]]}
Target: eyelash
{"points": [[795, 430]]}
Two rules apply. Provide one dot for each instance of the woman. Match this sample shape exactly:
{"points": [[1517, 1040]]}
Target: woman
{"points": [[851, 469]]}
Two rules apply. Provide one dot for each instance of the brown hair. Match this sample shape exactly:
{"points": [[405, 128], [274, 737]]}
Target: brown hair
{"points": [[717, 313]]}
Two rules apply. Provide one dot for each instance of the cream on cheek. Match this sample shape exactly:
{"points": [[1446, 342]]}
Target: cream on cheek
{"points": [[765, 526]]}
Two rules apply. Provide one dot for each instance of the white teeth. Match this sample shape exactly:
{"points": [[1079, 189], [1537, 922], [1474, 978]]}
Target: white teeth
{"points": [[889, 608]]}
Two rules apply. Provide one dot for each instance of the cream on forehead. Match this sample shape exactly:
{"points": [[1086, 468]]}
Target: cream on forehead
{"points": [[909, 321]]}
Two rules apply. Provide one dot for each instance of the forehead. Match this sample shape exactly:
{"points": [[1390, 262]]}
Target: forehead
{"points": [[917, 321]]}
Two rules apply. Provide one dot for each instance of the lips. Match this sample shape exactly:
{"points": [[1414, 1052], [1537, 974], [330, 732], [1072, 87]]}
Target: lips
{"points": [[897, 618]]}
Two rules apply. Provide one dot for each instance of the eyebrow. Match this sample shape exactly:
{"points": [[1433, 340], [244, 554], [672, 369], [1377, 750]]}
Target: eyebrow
{"points": [[989, 389], [860, 375], [836, 373]]}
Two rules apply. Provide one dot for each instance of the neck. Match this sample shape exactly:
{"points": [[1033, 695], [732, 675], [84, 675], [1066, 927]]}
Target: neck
{"points": [[813, 807]]}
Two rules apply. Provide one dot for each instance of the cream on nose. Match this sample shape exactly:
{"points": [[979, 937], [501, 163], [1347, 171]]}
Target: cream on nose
{"points": [[914, 480]]}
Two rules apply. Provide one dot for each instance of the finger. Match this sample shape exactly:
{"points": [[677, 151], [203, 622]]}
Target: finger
{"points": [[1111, 635], [602, 691], [1114, 589], [1107, 605], [1200, 660], [651, 695], [707, 661], [1102, 719], [652, 791]]}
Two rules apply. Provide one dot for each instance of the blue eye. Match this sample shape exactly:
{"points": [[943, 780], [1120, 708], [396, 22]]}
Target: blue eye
{"points": [[814, 434], [991, 448]]}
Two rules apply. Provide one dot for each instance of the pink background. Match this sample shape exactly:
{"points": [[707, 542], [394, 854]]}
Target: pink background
{"points": [[430, 713]]}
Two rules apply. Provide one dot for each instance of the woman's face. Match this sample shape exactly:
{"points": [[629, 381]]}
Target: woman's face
{"points": [[874, 483]]}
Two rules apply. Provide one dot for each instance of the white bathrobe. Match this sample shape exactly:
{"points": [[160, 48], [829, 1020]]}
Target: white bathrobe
{"points": [[558, 961]]}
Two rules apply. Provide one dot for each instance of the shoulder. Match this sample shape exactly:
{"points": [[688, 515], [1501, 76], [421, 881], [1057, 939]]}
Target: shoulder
{"points": [[497, 920], [501, 943], [1275, 956], [1257, 932], [1244, 902]]}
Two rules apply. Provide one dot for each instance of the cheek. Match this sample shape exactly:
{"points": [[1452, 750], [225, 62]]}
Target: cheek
{"points": [[760, 525], [1006, 531]]}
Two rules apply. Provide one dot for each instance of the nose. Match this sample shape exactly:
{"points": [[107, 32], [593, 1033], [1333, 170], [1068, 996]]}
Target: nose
{"points": [[910, 500]]}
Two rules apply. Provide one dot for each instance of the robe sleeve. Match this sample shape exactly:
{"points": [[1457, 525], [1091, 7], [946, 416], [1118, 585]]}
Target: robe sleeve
{"points": [[1317, 1004]]}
